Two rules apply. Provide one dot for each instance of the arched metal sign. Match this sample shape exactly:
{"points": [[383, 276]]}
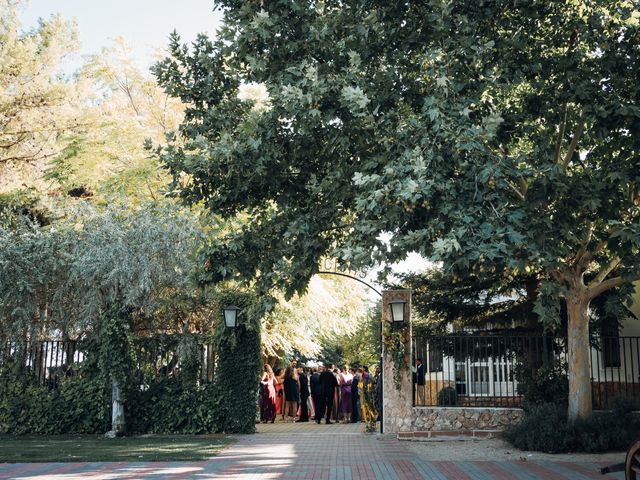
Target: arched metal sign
{"points": [[331, 266]]}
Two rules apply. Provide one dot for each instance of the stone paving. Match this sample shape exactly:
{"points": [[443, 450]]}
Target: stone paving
{"points": [[314, 452]]}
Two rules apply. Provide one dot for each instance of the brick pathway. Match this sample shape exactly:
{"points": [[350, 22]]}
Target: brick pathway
{"points": [[285, 451]]}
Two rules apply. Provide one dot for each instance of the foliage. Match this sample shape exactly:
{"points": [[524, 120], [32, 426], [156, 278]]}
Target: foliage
{"points": [[545, 428], [446, 128], [20, 206], [447, 397], [80, 404], [360, 346], [467, 133], [67, 276], [37, 104], [394, 340], [333, 308], [239, 365], [173, 406], [81, 401], [127, 107], [543, 384], [486, 301]]}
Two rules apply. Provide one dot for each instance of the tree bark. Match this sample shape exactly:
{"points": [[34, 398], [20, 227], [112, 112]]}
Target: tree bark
{"points": [[117, 413], [578, 349]]}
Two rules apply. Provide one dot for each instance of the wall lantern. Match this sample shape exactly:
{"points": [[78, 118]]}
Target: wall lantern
{"points": [[231, 316], [397, 310]]}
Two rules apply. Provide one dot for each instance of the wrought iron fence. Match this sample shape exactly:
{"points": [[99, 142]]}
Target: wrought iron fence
{"points": [[48, 361], [483, 370]]}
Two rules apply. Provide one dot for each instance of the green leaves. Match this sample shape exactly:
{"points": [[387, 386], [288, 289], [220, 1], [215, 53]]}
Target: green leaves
{"points": [[445, 127]]}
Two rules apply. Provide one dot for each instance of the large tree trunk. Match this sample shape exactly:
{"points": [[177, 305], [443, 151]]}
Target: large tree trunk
{"points": [[579, 362]]}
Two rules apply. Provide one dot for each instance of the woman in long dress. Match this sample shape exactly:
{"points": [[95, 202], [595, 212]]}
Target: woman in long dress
{"points": [[336, 396], [346, 381], [291, 393], [279, 385], [268, 395]]}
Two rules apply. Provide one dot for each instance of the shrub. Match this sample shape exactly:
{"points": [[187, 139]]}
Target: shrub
{"points": [[603, 431], [545, 428], [173, 406], [80, 405], [447, 397], [543, 385]]}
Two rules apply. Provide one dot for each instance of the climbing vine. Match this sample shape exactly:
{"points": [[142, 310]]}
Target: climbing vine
{"points": [[394, 346]]}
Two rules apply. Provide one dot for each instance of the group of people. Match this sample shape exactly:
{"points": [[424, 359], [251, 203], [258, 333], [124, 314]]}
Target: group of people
{"points": [[302, 393]]}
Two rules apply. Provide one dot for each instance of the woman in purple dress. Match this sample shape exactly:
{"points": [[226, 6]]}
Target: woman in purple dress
{"points": [[346, 379]]}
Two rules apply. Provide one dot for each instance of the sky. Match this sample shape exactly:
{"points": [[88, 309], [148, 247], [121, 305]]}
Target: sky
{"points": [[144, 24]]}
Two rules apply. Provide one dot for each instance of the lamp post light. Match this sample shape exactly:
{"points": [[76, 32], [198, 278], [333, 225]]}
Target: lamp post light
{"points": [[231, 316], [397, 311]]}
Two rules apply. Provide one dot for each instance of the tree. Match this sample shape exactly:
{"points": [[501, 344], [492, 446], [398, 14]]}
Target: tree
{"points": [[90, 275], [126, 108], [486, 301], [38, 104], [486, 135], [333, 308]]}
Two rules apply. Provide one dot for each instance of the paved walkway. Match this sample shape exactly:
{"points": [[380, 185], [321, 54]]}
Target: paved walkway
{"points": [[284, 451]]}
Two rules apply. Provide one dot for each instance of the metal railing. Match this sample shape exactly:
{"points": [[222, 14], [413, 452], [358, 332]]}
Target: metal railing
{"points": [[47, 361], [478, 370]]}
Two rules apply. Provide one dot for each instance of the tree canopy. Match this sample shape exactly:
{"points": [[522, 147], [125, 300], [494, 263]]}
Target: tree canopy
{"points": [[466, 136], [488, 135]]}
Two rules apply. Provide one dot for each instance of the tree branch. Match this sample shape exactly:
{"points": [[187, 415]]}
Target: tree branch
{"points": [[577, 133], [585, 243], [599, 278], [614, 282], [556, 157], [516, 190]]}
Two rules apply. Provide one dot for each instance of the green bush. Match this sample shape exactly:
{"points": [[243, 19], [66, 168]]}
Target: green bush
{"points": [[83, 405], [447, 397], [174, 406], [611, 430], [79, 405], [545, 428], [542, 385]]}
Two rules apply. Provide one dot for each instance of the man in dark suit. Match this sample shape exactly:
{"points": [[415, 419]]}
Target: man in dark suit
{"points": [[329, 382], [316, 394], [304, 395], [418, 381]]}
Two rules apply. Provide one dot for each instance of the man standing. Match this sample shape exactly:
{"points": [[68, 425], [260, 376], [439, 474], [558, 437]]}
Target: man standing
{"points": [[355, 395], [304, 395], [316, 395], [329, 383], [419, 381]]}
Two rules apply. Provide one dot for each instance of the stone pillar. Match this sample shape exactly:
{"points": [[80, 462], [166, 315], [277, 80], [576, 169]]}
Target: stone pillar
{"points": [[397, 403]]}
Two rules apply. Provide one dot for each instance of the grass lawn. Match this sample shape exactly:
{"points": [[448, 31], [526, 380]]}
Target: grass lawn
{"points": [[88, 448]]}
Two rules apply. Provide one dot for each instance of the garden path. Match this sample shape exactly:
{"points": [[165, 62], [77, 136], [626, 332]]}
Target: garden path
{"points": [[331, 452]]}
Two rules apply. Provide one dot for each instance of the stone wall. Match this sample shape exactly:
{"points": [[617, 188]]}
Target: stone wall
{"points": [[442, 419], [448, 419]]}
